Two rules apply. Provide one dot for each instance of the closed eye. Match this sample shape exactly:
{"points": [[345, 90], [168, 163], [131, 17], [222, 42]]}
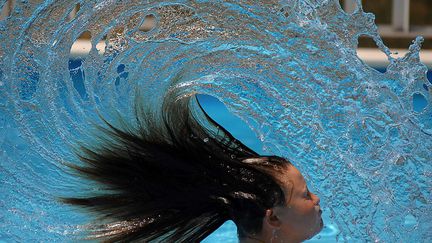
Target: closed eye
{"points": [[308, 194]]}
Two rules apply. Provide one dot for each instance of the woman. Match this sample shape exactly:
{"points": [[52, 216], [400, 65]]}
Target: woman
{"points": [[175, 178]]}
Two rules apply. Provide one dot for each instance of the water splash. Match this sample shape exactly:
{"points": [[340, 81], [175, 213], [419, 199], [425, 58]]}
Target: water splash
{"points": [[288, 68]]}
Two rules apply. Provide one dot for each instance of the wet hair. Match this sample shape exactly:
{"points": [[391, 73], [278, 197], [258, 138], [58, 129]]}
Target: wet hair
{"points": [[170, 178]]}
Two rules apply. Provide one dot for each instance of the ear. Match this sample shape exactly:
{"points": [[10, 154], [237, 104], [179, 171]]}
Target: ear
{"points": [[271, 218]]}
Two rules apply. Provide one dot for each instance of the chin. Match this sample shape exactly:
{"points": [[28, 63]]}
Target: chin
{"points": [[319, 227]]}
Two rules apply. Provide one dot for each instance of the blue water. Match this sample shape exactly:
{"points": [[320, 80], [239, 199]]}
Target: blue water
{"points": [[218, 111], [288, 69]]}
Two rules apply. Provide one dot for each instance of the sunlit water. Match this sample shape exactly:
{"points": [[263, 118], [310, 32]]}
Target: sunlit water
{"points": [[288, 69]]}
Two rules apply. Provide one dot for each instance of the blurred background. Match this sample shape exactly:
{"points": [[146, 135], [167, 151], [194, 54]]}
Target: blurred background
{"points": [[399, 21]]}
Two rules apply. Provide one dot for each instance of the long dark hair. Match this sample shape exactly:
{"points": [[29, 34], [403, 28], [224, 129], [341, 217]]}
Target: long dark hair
{"points": [[170, 178]]}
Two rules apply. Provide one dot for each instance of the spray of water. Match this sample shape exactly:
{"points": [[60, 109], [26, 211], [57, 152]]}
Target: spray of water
{"points": [[287, 68]]}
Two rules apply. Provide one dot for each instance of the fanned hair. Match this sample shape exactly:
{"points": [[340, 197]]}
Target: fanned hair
{"points": [[169, 178]]}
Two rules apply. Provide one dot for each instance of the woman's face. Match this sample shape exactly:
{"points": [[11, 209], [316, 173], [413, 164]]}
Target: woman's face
{"points": [[300, 218]]}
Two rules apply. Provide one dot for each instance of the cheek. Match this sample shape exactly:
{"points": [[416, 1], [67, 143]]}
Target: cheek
{"points": [[301, 214], [300, 221], [306, 209], [307, 220]]}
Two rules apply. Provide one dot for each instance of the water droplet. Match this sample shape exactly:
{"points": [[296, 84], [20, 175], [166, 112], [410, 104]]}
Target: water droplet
{"points": [[400, 160], [120, 68], [149, 23], [410, 220]]}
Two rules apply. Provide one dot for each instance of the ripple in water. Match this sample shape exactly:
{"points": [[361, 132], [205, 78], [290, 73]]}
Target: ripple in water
{"points": [[288, 68]]}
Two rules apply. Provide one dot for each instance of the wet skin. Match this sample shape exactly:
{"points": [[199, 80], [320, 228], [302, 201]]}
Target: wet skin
{"points": [[298, 220]]}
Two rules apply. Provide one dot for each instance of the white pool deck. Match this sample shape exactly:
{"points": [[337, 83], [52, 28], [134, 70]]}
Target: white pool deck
{"points": [[371, 56]]}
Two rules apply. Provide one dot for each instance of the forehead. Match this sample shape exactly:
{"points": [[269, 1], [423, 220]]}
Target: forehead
{"points": [[292, 178]]}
